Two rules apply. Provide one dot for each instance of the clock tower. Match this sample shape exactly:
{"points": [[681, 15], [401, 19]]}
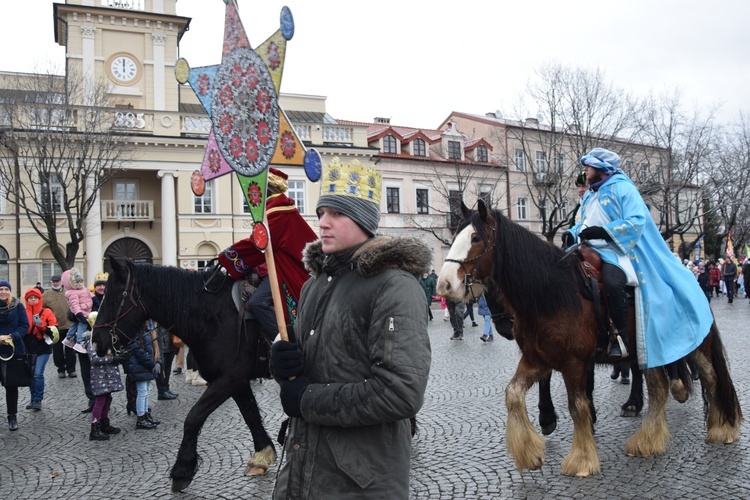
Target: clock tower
{"points": [[128, 45]]}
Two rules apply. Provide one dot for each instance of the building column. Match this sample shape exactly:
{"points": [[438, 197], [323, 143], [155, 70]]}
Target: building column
{"points": [[168, 218], [88, 51], [159, 41], [93, 236]]}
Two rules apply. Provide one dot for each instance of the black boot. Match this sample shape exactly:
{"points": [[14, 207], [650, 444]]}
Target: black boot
{"points": [[96, 433], [12, 422], [619, 350], [142, 423], [150, 418], [108, 429]]}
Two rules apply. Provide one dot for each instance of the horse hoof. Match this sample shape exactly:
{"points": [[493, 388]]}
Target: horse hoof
{"points": [[630, 413], [180, 484], [549, 428], [255, 470]]}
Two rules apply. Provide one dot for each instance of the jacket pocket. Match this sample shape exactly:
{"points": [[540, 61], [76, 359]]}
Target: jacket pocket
{"points": [[350, 460]]}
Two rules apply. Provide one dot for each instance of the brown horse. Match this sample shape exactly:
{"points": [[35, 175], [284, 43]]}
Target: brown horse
{"points": [[558, 333]]}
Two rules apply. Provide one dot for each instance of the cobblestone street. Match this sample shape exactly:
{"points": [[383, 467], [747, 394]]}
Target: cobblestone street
{"points": [[459, 451]]}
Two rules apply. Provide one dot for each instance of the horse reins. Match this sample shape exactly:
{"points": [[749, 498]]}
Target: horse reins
{"points": [[469, 278], [129, 291]]}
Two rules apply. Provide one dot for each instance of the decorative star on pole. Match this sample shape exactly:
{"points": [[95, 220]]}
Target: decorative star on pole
{"points": [[249, 130]]}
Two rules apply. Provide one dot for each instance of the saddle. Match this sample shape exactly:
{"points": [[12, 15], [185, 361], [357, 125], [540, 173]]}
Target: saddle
{"points": [[590, 268], [242, 290]]}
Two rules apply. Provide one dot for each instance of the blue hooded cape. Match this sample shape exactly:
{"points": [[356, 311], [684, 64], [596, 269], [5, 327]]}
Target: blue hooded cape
{"points": [[672, 313]]}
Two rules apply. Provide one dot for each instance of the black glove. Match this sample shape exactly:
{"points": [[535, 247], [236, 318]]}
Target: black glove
{"points": [[120, 359], [291, 395], [80, 317], [286, 360], [156, 370], [568, 240], [595, 233]]}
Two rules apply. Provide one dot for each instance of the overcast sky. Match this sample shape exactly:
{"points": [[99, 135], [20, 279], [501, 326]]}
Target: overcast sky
{"points": [[416, 61]]}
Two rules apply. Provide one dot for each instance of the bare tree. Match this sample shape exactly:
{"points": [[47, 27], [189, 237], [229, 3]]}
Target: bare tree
{"points": [[452, 182], [58, 146], [679, 150], [728, 180], [574, 110]]}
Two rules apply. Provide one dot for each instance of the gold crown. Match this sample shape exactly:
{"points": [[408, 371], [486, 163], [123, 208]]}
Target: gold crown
{"points": [[101, 277], [351, 179]]}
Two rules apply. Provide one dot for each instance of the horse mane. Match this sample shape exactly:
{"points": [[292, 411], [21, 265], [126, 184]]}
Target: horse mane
{"points": [[187, 298], [529, 270]]}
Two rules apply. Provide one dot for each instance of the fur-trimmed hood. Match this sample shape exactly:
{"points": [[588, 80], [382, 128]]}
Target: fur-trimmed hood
{"points": [[377, 255]]}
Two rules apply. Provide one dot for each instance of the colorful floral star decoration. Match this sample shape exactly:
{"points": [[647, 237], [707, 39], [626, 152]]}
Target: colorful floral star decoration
{"points": [[249, 129]]}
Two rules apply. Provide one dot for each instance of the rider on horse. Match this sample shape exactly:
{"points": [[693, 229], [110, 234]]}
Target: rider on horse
{"points": [[672, 314], [289, 235]]}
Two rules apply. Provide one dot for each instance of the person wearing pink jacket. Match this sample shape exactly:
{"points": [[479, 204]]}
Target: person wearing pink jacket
{"points": [[80, 303]]}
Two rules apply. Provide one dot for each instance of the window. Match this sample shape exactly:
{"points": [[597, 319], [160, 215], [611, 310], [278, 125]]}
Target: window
{"points": [[541, 161], [389, 144], [4, 268], [392, 200], [454, 150], [482, 154], [560, 162], [296, 192], [486, 196], [423, 201], [454, 203], [419, 148], [544, 211], [202, 265], [125, 190], [522, 207], [204, 204], [49, 269], [52, 194], [564, 210], [519, 160]]}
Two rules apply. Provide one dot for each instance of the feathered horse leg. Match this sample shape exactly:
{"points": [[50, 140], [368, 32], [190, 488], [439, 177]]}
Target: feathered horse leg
{"points": [[524, 443], [723, 412], [653, 435], [583, 459]]}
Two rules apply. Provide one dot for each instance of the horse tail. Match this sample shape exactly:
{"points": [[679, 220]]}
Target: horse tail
{"points": [[726, 395]]}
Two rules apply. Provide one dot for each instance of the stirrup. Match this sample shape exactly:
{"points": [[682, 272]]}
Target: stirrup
{"points": [[617, 350]]}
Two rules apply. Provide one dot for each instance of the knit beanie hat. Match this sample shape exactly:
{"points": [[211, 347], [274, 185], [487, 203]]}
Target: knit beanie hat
{"points": [[5, 283], [354, 191]]}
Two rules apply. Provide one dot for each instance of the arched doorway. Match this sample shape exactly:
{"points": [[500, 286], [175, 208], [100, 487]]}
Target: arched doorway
{"points": [[127, 248]]}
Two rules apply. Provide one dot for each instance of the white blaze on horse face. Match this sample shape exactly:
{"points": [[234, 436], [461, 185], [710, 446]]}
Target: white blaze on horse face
{"points": [[449, 284]]}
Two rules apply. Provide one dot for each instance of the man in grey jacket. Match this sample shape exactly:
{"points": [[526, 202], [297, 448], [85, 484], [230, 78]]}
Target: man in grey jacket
{"points": [[360, 369]]}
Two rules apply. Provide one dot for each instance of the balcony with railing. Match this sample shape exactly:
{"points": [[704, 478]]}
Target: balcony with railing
{"points": [[127, 210]]}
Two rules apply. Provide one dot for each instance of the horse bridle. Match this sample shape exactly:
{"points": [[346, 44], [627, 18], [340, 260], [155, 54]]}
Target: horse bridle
{"points": [[469, 279], [129, 291]]}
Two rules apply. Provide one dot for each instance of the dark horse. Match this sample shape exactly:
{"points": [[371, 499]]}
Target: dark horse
{"points": [[559, 333], [205, 318]]}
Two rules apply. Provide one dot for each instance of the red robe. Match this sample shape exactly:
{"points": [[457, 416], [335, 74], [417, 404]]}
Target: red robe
{"points": [[289, 233]]}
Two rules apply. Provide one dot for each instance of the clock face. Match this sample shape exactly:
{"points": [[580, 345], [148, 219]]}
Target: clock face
{"points": [[123, 69]]}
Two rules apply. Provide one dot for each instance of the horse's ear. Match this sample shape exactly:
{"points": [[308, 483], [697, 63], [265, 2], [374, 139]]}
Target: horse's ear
{"points": [[465, 211], [482, 209], [116, 266]]}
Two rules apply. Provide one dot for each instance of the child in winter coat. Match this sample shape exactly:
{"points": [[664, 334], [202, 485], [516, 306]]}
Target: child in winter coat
{"points": [[105, 379], [80, 303], [143, 368], [39, 339]]}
